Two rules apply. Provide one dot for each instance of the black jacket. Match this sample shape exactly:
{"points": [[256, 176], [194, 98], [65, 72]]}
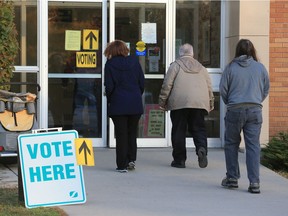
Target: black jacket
{"points": [[124, 85]]}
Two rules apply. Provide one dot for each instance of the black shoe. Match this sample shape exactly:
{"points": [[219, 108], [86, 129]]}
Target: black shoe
{"points": [[229, 183], [178, 164], [254, 188], [121, 170], [202, 157]]}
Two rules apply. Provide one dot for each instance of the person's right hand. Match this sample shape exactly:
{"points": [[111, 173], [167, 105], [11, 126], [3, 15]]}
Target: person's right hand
{"points": [[162, 108]]}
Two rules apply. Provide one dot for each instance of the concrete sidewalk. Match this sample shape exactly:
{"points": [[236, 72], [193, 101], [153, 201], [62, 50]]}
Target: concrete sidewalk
{"points": [[156, 189], [8, 176]]}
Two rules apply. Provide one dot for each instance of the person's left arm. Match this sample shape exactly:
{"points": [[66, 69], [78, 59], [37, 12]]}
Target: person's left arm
{"points": [[141, 78], [266, 83]]}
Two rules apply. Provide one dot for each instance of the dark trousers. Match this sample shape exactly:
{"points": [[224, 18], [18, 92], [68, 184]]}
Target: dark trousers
{"points": [[194, 120], [126, 127]]}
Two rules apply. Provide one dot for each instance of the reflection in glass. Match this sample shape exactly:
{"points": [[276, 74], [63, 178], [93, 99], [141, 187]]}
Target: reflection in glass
{"points": [[63, 17], [198, 23], [85, 115], [130, 19], [75, 101], [27, 38], [76, 104], [30, 78]]}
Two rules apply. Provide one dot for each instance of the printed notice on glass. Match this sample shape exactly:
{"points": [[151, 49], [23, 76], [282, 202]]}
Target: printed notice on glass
{"points": [[154, 121], [149, 33], [72, 40]]}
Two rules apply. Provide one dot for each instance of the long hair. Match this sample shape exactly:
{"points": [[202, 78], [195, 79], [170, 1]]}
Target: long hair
{"points": [[246, 47], [116, 48]]}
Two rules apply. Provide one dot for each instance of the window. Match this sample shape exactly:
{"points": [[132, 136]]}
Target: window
{"points": [[198, 23], [26, 25]]}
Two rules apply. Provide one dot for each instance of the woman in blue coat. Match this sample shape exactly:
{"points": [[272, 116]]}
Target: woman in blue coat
{"points": [[124, 86]]}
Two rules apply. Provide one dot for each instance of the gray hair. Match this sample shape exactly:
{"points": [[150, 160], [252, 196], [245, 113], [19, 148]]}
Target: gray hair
{"points": [[186, 49]]}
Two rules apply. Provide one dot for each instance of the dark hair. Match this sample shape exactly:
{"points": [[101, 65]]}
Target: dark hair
{"points": [[246, 47], [116, 48]]}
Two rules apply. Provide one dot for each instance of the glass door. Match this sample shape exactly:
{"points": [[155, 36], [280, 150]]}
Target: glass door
{"points": [[143, 26], [75, 93], [199, 23]]}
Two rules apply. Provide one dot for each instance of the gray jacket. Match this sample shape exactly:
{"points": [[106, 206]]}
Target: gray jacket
{"points": [[186, 85], [244, 81]]}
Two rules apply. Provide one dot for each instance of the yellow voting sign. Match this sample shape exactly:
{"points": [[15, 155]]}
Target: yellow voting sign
{"points": [[90, 39], [84, 151], [86, 60]]}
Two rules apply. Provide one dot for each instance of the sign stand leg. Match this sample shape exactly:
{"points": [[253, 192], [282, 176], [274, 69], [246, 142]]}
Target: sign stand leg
{"points": [[20, 184]]}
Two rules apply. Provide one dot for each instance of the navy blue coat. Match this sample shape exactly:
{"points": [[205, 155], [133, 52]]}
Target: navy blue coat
{"points": [[124, 85]]}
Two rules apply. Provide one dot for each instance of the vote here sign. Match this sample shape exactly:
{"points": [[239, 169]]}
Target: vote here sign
{"points": [[49, 169]]}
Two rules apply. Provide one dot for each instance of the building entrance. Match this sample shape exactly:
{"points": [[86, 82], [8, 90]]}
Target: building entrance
{"points": [[78, 32], [149, 25]]}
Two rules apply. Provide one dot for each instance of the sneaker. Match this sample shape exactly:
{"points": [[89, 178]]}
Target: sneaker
{"points": [[202, 158], [229, 183], [178, 164], [121, 170], [131, 165], [254, 188]]}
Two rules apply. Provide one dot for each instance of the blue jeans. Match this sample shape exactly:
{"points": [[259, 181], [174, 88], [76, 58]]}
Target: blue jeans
{"points": [[248, 119]]}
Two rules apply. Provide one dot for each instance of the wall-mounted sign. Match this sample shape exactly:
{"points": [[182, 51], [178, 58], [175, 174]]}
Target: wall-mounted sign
{"points": [[140, 48], [149, 33], [90, 39], [154, 121], [72, 40], [154, 57], [86, 60]]}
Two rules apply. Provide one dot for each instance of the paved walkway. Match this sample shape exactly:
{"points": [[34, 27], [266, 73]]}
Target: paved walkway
{"points": [[8, 176], [156, 189]]}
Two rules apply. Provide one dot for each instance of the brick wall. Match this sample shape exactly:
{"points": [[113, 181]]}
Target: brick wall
{"points": [[278, 69]]}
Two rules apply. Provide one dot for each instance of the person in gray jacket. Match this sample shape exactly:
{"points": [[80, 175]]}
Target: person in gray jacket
{"points": [[243, 87], [187, 92]]}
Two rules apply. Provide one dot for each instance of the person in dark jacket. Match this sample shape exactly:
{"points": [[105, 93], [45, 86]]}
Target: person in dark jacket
{"points": [[124, 85], [244, 85]]}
